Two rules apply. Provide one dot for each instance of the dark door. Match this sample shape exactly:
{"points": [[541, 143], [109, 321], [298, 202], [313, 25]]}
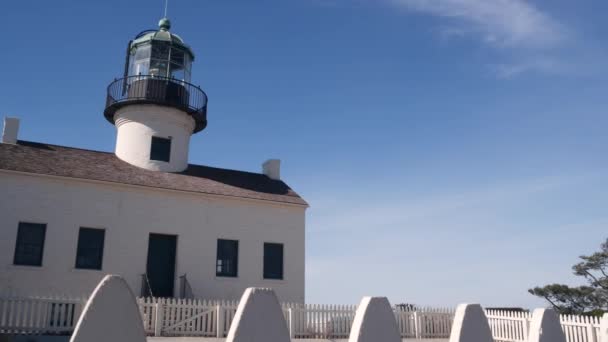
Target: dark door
{"points": [[161, 264]]}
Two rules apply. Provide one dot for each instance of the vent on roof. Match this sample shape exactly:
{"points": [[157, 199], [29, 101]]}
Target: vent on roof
{"points": [[272, 169], [11, 131]]}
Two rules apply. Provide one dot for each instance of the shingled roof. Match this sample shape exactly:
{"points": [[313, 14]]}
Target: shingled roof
{"points": [[46, 159]]}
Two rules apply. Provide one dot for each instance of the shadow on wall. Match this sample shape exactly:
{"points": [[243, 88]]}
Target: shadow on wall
{"points": [[240, 179], [26, 338], [36, 145]]}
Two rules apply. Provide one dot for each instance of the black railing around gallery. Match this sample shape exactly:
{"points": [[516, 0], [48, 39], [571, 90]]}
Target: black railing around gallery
{"points": [[165, 91]]}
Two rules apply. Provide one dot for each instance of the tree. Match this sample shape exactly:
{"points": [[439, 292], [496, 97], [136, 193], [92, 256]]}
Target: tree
{"points": [[592, 298]]}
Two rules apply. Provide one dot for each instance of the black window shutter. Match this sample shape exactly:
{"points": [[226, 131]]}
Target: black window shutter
{"points": [[89, 253], [30, 244], [160, 149], [273, 261], [227, 258]]}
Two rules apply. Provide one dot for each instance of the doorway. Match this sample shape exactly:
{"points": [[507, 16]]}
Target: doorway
{"points": [[160, 267]]}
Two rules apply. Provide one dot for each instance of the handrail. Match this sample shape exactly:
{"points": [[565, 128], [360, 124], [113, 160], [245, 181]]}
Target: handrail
{"points": [[146, 289], [185, 290]]}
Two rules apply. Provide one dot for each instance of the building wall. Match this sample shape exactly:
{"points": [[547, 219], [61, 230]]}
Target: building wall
{"points": [[129, 214], [137, 124]]}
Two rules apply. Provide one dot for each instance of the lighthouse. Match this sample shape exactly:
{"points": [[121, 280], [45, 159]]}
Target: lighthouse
{"points": [[170, 228], [154, 106]]}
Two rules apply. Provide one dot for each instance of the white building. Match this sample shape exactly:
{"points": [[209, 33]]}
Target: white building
{"points": [[69, 216]]}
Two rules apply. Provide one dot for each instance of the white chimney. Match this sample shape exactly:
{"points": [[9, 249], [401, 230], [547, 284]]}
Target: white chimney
{"points": [[272, 169], [11, 130]]}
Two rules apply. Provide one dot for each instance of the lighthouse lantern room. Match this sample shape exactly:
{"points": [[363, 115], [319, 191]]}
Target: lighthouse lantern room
{"points": [[159, 53], [154, 106]]}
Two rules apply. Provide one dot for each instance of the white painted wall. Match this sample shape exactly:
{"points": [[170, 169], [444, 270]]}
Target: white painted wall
{"points": [[137, 124], [10, 133], [129, 214]]}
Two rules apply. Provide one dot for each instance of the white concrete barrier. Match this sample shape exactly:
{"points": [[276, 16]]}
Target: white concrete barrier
{"points": [[111, 314], [545, 327], [470, 325], [374, 322], [258, 318]]}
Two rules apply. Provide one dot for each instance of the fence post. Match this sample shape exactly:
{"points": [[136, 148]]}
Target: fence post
{"points": [[291, 323], [416, 326], [526, 322], [591, 332], [158, 324], [219, 321], [604, 328]]}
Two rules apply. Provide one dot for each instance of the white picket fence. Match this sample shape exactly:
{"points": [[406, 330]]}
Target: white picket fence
{"points": [[509, 326], [207, 318], [37, 315], [191, 317], [425, 322], [186, 317], [581, 328], [514, 326]]}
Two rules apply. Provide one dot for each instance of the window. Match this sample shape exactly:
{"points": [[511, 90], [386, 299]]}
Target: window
{"points": [[30, 244], [160, 149], [273, 260], [139, 62], [89, 253], [158, 67], [227, 258]]}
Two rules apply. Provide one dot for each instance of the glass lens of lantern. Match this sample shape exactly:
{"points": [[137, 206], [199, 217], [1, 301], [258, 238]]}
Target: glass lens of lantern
{"points": [[160, 58], [178, 72], [131, 65], [139, 61], [187, 67], [158, 67], [142, 67], [160, 50], [187, 76], [177, 56], [142, 52]]}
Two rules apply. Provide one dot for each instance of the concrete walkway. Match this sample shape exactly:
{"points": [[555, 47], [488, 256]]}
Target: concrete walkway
{"points": [[34, 338], [208, 339]]}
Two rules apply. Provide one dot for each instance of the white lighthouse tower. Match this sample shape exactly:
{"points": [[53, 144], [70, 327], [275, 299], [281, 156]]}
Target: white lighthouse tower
{"points": [[154, 106]]}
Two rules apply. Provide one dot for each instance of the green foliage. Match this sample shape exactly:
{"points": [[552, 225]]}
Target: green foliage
{"points": [[591, 299]]}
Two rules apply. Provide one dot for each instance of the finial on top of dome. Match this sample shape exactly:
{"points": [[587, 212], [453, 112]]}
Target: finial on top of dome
{"points": [[164, 24]]}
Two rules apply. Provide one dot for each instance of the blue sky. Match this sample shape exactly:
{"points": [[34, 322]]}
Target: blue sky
{"points": [[451, 150]]}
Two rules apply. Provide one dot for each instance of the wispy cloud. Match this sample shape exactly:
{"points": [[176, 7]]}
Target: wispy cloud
{"points": [[545, 65], [527, 38], [530, 39], [502, 23], [403, 212]]}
